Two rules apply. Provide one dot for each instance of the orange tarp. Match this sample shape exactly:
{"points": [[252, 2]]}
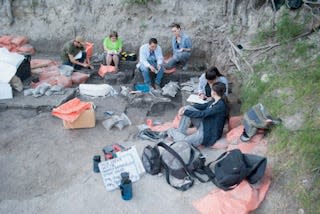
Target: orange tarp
{"points": [[165, 126], [71, 110], [241, 200], [104, 69]]}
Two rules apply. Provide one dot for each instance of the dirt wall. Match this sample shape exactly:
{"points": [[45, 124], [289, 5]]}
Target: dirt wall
{"points": [[50, 23]]}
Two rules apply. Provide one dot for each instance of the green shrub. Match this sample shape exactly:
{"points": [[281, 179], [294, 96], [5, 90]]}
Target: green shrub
{"points": [[288, 28]]}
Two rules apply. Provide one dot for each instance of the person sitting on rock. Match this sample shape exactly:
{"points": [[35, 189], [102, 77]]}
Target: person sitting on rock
{"points": [[208, 120], [181, 47], [151, 60], [112, 46], [211, 76], [73, 53]]}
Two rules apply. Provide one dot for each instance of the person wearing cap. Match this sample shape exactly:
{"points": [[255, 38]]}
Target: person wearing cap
{"points": [[181, 47], [112, 46], [74, 54]]}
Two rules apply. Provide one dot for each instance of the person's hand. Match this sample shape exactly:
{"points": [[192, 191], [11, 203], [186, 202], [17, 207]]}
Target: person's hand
{"points": [[152, 69], [159, 67], [202, 96], [91, 67], [85, 65], [181, 111]]}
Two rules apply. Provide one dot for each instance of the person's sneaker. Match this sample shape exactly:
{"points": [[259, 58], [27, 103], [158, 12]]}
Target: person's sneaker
{"points": [[185, 67], [276, 121], [244, 137]]}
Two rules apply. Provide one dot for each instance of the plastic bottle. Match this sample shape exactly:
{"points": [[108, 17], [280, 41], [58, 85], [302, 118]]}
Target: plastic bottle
{"points": [[96, 161], [126, 186]]}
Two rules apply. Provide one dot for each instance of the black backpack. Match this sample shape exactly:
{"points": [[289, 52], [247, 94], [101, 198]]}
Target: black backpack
{"points": [[233, 166], [294, 4], [230, 169], [151, 160]]}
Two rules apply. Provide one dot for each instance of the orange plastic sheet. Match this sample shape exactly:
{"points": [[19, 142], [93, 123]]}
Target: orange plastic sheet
{"points": [[71, 110], [165, 126], [89, 50], [104, 69], [241, 200]]}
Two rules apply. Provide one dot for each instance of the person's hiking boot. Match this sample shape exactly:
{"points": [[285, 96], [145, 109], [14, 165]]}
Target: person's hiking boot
{"points": [[276, 121], [244, 137], [185, 67], [157, 87]]}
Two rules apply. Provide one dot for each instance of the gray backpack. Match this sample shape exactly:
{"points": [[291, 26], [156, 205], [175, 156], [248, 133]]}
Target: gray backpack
{"points": [[182, 161]]}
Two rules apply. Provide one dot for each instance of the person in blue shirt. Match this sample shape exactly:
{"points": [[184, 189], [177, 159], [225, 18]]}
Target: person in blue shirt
{"points": [[151, 60], [208, 119], [181, 47], [211, 76]]}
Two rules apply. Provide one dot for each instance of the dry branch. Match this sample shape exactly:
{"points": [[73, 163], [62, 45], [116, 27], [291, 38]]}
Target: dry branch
{"points": [[240, 54]]}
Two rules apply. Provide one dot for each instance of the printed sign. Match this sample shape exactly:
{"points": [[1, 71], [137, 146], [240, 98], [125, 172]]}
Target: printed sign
{"points": [[125, 162]]}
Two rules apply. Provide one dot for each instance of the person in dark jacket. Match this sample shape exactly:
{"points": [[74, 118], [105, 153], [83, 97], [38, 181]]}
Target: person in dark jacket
{"points": [[208, 119]]}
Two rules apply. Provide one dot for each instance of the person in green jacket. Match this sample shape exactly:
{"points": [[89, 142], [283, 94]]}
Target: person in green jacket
{"points": [[112, 46]]}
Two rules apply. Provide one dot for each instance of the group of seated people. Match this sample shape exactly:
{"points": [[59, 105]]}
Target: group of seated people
{"points": [[150, 55], [207, 120]]}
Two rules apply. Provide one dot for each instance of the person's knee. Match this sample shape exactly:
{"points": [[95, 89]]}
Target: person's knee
{"points": [[188, 107]]}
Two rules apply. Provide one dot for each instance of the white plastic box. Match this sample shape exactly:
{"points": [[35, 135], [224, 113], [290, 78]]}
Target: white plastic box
{"points": [[5, 91]]}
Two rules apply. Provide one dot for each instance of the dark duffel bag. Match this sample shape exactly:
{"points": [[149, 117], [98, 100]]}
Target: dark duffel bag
{"points": [[24, 70]]}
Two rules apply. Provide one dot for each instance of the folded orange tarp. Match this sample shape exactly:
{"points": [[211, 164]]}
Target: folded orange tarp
{"points": [[104, 69], [71, 110]]}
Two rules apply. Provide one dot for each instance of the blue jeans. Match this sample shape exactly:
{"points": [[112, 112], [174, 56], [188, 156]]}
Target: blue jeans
{"points": [[77, 67], [180, 57], [146, 72], [180, 134]]}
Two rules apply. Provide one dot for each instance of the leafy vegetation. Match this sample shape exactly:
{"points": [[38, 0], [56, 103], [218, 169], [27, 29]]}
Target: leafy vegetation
{"points": [[293, 86], [287, 28]]}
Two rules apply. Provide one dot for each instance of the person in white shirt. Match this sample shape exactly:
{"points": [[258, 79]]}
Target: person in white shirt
{"points": [[151, 60]]}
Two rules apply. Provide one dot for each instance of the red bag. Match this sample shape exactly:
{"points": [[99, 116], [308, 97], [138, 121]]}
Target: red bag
{"points": [[19, 40], [104, 69], [78, 77], [39, 63], [5, 40], [27, 48], [48, 74], [64, 81]]}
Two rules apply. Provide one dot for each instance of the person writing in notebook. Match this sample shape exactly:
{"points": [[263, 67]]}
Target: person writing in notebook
{"points": [[208, 120]]}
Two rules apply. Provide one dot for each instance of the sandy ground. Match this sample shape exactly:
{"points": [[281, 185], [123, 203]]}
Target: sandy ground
{"points": [[48, 169]]}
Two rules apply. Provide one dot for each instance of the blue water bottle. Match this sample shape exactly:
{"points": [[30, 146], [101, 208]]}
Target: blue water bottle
{"points": [[126, 186]]}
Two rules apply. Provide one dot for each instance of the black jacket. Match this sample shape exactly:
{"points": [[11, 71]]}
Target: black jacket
{"points": [[213, 119]]}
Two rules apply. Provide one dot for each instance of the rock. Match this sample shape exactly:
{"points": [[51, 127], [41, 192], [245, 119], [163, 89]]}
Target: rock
{"points": [[265, 78], [294, 122]]}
